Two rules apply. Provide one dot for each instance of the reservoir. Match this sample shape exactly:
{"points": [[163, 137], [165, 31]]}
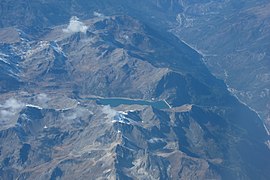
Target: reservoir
{"points": [[114, 102]]}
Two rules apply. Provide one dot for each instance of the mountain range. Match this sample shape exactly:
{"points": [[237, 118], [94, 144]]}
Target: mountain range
{"points": [[64, 64]]}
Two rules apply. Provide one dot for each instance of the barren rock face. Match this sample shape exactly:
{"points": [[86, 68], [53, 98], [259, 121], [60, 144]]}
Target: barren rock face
{"points": [[117, 97]]}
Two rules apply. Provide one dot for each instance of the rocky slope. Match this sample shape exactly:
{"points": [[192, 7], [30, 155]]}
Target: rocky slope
{"points": [[130, 142], [50, 127], [231, 34]]}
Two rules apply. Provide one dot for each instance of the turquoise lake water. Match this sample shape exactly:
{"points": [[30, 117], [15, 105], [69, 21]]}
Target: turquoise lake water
{"points": [[119, 101]]}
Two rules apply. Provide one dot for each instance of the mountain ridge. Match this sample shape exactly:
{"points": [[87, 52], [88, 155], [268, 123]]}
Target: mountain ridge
{"points": [[206, 134]]}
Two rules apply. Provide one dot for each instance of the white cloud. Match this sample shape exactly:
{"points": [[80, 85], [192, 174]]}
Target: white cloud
{"points": [[10, 108], [111, 113], [97, 14], [75, 26], [42, 99], [76, 113], [12, 104], [5, 113]]}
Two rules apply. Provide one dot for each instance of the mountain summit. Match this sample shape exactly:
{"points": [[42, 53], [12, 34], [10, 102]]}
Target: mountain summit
{"points": [[111, 96]]}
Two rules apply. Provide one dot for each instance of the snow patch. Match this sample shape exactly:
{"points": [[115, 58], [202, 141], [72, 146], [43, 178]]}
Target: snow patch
{"points": [[117, 116], [155, 140], [40, 47], [3, 57], [5, 61], [120, 118], [58, 49], [33, 106]]}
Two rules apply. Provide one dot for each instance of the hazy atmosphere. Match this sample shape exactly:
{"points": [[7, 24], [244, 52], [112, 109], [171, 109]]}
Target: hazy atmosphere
{"points": [[145, 89]]}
